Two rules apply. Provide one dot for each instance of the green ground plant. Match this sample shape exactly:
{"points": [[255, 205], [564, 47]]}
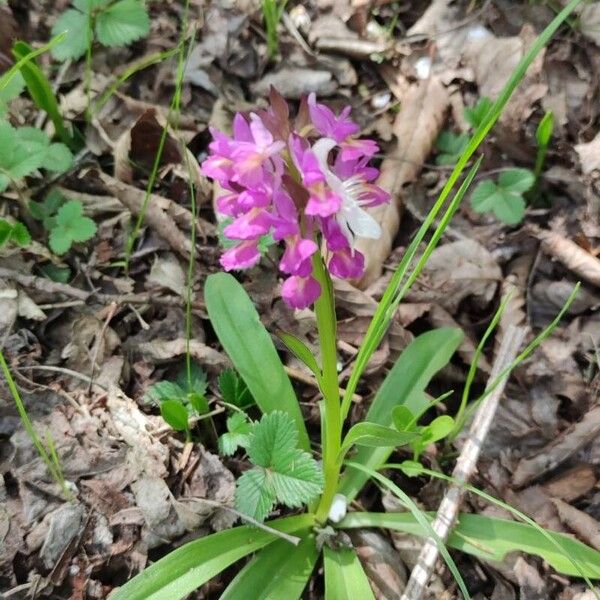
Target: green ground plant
{"points": [[276, 443]]}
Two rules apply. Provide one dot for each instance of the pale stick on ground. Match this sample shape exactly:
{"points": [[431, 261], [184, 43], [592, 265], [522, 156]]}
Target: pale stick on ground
{"points": [[465, 466]]}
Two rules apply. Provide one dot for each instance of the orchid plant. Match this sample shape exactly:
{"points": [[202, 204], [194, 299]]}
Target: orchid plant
{"points": [[307, 181]]}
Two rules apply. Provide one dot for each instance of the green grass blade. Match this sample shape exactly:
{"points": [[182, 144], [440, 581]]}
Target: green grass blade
{"points": [[249, 345], [278, 571], [490, 538], [421, 518], [377, 326], [345, 578], [182, 571]]}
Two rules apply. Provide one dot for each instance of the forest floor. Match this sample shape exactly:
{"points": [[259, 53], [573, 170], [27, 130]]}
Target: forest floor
{"points": [[86, 339]]}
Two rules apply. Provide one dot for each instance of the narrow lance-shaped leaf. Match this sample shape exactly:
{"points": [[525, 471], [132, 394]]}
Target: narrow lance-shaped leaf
{"points": [[251, 349]]}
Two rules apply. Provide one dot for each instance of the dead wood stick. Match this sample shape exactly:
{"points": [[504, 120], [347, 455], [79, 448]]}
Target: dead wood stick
{"points": [[465, 465]]}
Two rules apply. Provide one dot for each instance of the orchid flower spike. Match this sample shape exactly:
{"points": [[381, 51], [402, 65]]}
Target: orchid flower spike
{"points": [[305, 181]]}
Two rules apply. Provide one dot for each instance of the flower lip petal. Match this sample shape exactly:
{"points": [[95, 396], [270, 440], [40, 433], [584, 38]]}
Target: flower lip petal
{"points": [[300, 292]]}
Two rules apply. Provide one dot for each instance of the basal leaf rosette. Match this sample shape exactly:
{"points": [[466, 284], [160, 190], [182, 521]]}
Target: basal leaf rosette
{"points": [[302, 180]]}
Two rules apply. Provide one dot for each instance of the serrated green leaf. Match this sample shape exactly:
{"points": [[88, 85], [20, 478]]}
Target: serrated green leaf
{"points": [[274, 438], [5, 232], [198, 402], [516, 181], [476, 116], [71, 226], [59, 274], [85, 230], [175, 414], [234, 390], [20, 234], [78, 39], [197, 381], [254, 494], [13, 89], [164, 390], [301, 482], [238, 434], [122, 23]]}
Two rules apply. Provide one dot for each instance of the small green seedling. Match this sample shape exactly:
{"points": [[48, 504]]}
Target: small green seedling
{"points": [[110, 23], [542, 136], [181, 399], [272, 13], [504, 198], [238, 434], [25, 150], [70, 226], [13, 89], [450, 146], [234, 390], [14, 232], [476, 115], [282, 472]]}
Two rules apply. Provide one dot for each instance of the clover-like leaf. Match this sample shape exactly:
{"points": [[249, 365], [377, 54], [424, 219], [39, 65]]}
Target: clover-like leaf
{"points": [[254, 494], [476, 115], [123, 22], [504, 199], [71, 226], [450, 146]]}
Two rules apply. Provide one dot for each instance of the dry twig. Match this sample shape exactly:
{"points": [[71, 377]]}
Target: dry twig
{"points": [[465, 466]]}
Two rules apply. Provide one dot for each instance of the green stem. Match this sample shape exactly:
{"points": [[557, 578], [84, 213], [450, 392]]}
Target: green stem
{"points": [[331, 423]]}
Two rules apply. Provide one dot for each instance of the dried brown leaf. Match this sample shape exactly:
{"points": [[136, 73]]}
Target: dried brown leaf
{"points": [[586, 527], [589, 155]]}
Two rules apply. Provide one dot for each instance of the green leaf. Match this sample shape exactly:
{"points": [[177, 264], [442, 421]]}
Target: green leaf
{"points": [[402, 418], [254, 494], [41, 91], [14, 232], [197, 382], [71, 226], [516, 181], [492, 539], [185, 569], [450, 146], [58, 158], [301, 351], [175, 414], [476, 116], [404, 385], [250, 348], [505, 200], [376, 436], [78, 38], [283, 472], [345, 578], [122, 23], [164, 390], [437, 430], [544, 130], [59, 274], [13, 89], [238, 434], [234, 389], [279, 572]]}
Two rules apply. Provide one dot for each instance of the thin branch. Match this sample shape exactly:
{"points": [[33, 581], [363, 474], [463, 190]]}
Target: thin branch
{"points": [[465, 465]]}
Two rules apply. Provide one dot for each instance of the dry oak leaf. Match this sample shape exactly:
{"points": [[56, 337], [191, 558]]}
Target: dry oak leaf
{"points": [[416, 128]]}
